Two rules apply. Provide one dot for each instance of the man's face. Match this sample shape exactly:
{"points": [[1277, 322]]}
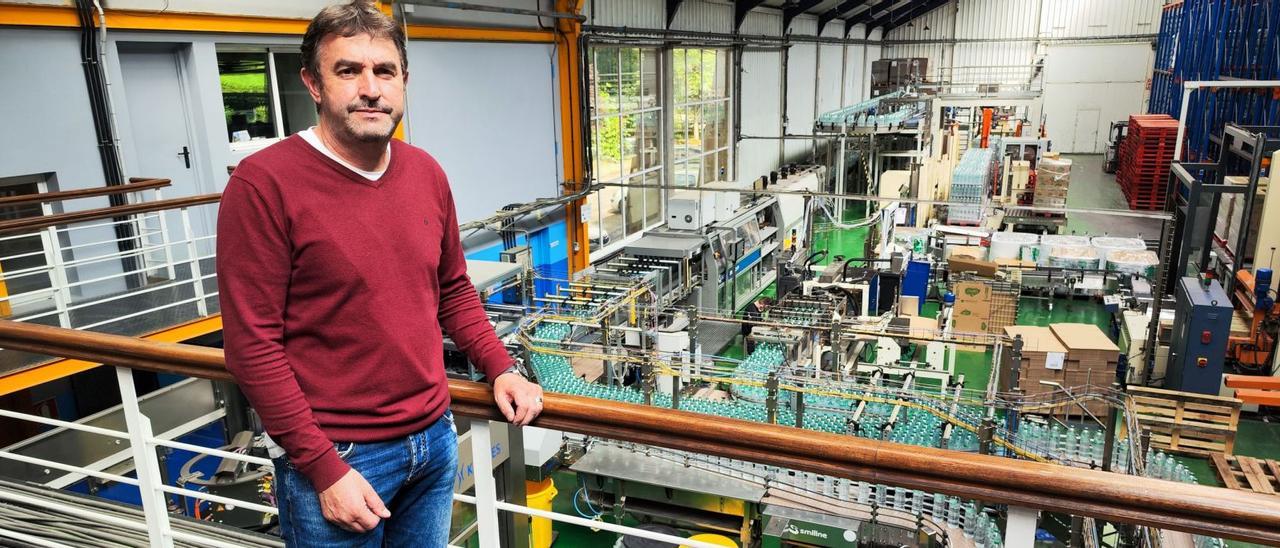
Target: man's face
{"points": [[360, 87]]}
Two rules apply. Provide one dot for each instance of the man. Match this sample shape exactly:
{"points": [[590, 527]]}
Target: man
{"points": [[339, 263], [753, 313]]}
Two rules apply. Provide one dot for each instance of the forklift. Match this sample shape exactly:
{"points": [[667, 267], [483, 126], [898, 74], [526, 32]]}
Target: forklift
{"points": [[1114, 138]]}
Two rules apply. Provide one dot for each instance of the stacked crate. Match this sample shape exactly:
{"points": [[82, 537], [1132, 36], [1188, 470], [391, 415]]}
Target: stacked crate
{"points": [[1145, 157]]}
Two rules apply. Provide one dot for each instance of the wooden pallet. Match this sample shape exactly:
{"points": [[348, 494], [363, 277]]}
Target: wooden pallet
{"points": [[1248, 473], [1186, 422]]}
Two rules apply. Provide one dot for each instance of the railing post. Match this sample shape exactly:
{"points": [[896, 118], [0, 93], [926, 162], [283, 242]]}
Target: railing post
{"points": [[164, 242], [799, 407], [771, 399], [145, 463], [57, 275], [1020, 529], [486, 490], [193, 256]]}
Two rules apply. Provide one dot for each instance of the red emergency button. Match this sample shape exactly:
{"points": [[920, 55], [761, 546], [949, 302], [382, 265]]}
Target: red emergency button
{"points": [[1202, 362], [1205, 337]]}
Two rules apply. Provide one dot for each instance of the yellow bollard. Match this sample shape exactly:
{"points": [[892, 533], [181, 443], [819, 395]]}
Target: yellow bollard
{"points": [[538, 495]]}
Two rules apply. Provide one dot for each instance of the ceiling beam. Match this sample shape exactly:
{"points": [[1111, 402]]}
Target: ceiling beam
{"points": [[890, 23], [865, 16], [790, 12], [740, 9], [836, 13], [673, 6]]}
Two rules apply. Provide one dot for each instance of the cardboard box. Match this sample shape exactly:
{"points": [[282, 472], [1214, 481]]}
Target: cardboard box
{"points": [[966, 252], [909, 305], [1091, 356], [981, 268], [969, 325], [971, 309], [973, 291]]}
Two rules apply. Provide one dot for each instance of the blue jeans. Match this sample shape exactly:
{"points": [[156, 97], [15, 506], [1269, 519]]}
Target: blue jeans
{"points": [[413, 476]]}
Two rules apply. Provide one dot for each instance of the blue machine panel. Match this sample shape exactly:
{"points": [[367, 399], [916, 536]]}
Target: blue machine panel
{"points": [[1200, 330], [916, 282]]}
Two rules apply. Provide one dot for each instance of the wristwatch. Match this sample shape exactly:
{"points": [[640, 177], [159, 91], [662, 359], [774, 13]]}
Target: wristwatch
{"points": [[517, 368]]}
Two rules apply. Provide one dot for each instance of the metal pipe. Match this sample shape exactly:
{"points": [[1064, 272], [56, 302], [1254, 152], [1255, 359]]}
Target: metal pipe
{"points": [[870, 198]]}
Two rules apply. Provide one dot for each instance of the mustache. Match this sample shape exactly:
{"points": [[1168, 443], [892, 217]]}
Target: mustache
{"points": [[367, 105]]}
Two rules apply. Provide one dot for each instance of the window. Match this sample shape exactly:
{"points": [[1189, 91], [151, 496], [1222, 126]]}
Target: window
{"points": [[626, 143], [263, 96], [700, 81]]}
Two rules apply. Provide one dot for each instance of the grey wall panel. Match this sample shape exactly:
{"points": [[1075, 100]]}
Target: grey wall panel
{"points": [[762, 21], [704, 16], [761, 113], [830, 74], [59, 137], [801, 89], [873, 53], [447, 16], [804, 25], [854, 72], [649, 14], [497, 140], [1074, 18], [48, 128]]}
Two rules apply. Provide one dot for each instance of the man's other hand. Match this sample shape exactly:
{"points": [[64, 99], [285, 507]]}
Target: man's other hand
{"points": [[519, 400], [352, 504]]}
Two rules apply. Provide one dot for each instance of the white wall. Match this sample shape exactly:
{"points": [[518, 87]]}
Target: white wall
{"points": [[1110, 78], [761, 98], [489, 115], [1014, 32], [1012, 35], [48, 129]]}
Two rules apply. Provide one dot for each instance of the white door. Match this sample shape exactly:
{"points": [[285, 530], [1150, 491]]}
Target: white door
{"points": [[1085, 139], [162, 142], [158, 117]]}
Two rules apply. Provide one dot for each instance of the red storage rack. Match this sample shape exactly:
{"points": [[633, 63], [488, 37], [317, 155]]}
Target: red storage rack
{"points": [[1144, 158]]}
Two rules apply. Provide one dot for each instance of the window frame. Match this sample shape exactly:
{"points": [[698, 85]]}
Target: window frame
{"points": [[273, 93], [660, 132], [680, 101]]}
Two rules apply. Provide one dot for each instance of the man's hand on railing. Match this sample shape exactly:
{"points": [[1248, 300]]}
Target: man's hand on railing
{"points": [[352, 504], [519, 400]]}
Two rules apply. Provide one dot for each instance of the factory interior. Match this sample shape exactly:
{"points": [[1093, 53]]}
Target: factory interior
{"points": [[791, 273]]}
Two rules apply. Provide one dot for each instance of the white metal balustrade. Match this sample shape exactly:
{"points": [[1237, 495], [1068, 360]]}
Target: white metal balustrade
{"points": [[87, 280]]}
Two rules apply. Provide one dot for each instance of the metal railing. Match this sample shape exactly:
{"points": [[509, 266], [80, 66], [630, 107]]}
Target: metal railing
{"points": [[1088, 493], [117, 269], [987, 80]]}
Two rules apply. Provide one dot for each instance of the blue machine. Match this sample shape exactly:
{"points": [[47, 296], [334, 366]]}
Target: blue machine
{"points": [[915, 282], [1201, 326]]}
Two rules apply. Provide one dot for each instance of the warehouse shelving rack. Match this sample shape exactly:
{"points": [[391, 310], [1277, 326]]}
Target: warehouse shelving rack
{"points": [[1210, 40]]}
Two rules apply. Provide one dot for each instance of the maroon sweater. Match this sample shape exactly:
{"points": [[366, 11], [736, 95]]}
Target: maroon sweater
{"points": [[334, 292]]}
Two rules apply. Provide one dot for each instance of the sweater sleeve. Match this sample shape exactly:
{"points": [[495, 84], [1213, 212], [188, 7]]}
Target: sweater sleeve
{"points": [[254, 264], [462, 314]]}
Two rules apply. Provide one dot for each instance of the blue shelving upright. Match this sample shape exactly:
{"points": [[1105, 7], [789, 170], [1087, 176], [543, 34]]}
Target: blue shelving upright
{"points": [[1217, 40]]}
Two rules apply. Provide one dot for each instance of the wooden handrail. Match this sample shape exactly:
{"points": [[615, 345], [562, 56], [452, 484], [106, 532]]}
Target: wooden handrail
{"points": [[1104, 495], [36, 223], [135, 185]]}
